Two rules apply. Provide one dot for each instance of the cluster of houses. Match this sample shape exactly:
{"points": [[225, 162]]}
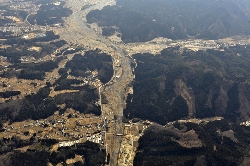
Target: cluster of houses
{"points": [[79, 128], [195, 120], [20, 30], [247, 123], [96, 138], [68, 143]]}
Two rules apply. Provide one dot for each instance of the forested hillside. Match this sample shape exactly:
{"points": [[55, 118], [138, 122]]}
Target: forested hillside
{"points": [[213, 143], [175, 19], [175, 84]]}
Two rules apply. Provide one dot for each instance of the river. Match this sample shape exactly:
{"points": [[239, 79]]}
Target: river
{"points": [[120, 84]]}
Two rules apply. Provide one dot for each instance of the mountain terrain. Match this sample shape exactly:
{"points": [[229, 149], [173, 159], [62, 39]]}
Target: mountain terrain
{"points": [[71, 96], [140, 21], [212, 143], [184, 84], [176, 86]]}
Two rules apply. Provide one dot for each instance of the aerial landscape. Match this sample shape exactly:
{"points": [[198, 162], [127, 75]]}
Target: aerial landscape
{"points": [[124, 82]]}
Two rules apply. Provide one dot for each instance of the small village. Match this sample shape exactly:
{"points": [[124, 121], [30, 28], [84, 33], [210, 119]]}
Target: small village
{"points": [[73, 128]]}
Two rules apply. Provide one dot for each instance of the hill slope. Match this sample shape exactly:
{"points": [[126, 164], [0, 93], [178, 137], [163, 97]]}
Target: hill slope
{"points": [[174, 85], [176, 19]]}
